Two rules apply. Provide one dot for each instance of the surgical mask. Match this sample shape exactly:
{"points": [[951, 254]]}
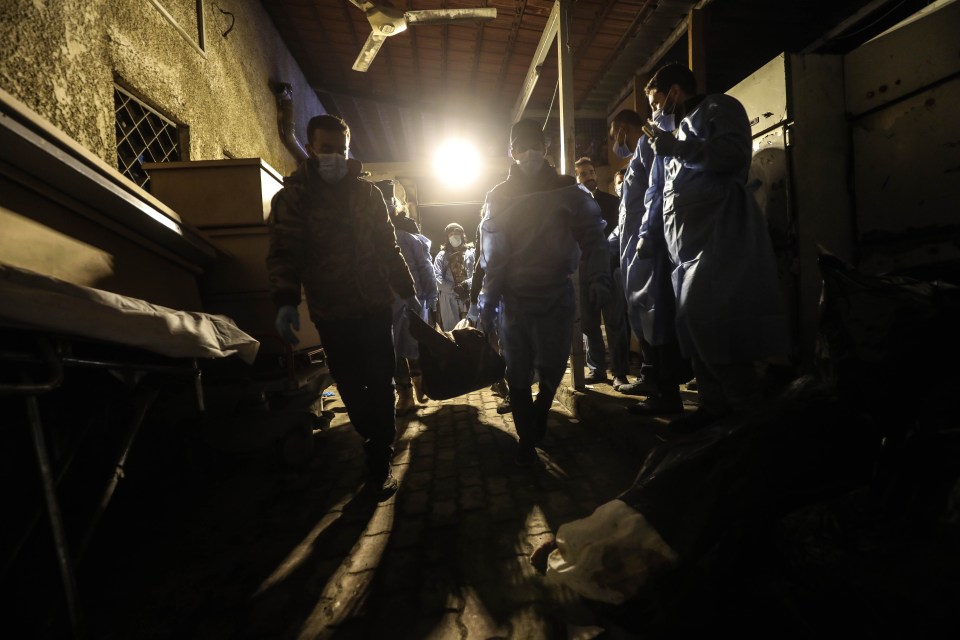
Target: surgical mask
{"points": [[455, 241], [665, 116], [621, 148], [664, 121], [332, 167], [619, 190], [530, 161]]}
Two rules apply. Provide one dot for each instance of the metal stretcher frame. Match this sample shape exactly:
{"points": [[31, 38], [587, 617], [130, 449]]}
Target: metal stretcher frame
{"points": [[51, 355]]}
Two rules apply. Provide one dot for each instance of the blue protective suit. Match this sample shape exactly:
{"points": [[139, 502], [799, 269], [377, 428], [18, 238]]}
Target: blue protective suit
{"points": [[636, 273], [531, 243], [415, 248], [729, 304], [451, 307]]}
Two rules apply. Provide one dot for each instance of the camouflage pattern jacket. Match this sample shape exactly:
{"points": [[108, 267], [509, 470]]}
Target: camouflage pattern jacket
{"points": [[336, 240]]}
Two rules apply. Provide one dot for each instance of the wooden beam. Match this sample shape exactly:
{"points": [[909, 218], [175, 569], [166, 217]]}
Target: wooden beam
{"points": [[539, 56], [511, 41]]}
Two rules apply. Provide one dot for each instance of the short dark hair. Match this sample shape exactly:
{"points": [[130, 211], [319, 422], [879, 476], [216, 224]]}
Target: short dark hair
{"points": [[328, 122], [671, 74], [622, 172], [528, 130], [582, 161], [628, 117]]}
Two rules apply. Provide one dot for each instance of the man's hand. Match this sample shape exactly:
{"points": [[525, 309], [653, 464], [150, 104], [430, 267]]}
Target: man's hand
{"points": [[644, 249], [413, 304], [462, 290], [488, 318], [473, 314], [663, 143], [599, 294], [288, 321]]}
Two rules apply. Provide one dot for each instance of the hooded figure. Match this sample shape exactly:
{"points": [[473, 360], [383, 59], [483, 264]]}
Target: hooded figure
{"points": [[534, 229], [453, 269], [415, 248]]}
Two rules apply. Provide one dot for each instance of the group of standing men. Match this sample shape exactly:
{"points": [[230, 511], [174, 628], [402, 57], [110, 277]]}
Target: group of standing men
{"points": [[690, 254]]}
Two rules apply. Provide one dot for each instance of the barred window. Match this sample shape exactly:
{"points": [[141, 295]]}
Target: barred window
{"points": [[143, 135]]}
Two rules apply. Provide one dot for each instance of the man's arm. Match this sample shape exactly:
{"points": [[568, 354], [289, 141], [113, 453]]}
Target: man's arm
{"points": [[285, 256], [443, 274], [496, 261], [587, 225], [725, 146], [385, 237]]}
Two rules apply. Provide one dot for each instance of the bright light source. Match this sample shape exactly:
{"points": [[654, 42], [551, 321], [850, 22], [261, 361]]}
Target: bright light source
{"points": [[457, 163]]}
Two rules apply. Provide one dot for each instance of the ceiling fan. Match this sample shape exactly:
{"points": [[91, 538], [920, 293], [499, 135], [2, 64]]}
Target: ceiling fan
{"points": [[386, 21]]}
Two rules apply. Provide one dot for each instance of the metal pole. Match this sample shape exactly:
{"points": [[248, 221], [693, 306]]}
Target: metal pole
{"points": [[567, 151], [539, 56], [53, 511]]}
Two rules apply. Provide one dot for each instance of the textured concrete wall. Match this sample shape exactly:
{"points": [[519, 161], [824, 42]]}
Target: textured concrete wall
{"points": [[61, 57]]}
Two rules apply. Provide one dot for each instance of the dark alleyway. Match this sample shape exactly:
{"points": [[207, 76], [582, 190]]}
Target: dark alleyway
{"points": [[250, 548]]}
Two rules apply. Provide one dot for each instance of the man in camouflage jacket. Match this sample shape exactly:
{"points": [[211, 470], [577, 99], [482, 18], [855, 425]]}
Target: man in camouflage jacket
{"points": [[330, 233]]}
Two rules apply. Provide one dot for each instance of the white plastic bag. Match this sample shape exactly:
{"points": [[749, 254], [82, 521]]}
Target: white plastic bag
{"points": [[608, 555]]}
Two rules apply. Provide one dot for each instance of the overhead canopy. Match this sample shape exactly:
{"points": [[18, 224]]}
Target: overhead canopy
{"points": [[433, 80]]}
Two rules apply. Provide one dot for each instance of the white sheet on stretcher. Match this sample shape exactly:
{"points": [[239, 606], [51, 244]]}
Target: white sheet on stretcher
{"points": [[44, 303]]}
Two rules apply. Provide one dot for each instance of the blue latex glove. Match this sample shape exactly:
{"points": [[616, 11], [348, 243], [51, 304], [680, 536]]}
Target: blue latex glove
{"points": [[663, 142], [644, 248], [473, 314], [288, 321], [488, 318]]}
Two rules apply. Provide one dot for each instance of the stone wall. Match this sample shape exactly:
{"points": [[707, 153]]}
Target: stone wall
{"points": [[62, 57]]}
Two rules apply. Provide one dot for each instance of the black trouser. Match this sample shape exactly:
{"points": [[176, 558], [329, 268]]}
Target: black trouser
{"points": [[664, 367], [361, 359]]}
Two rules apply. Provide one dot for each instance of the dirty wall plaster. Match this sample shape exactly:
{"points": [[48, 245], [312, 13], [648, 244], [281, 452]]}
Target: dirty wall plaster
{"points": [[60, 57]]}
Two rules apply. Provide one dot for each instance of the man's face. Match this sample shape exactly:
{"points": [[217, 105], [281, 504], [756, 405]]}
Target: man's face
{"points": [[522, 145], [587, 176], [618, 183], [324, 141], [658, 99], [622, 133]]}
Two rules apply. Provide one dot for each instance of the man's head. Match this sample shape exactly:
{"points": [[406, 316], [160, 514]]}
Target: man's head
{"points": [[618, 181], [586, 173], [625, 130], [671, 86], [454, 235], [386, 188], [528, 145], [327, 134]]}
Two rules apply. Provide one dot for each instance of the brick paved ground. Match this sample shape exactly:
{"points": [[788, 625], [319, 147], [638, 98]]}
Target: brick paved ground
{"points": [[246, 547]]}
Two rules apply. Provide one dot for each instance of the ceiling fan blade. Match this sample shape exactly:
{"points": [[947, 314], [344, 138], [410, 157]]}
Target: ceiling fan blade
{"points": [[362, 5], [446, 16], [369, 51]]}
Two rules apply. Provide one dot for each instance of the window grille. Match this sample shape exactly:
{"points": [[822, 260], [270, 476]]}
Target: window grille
{"points": [[143, 135]]}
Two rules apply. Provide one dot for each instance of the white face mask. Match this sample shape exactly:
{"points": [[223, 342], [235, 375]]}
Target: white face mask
{"points": [[455, 241], [332, 167], [621, 148], [530, 161], [665, 117]]}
